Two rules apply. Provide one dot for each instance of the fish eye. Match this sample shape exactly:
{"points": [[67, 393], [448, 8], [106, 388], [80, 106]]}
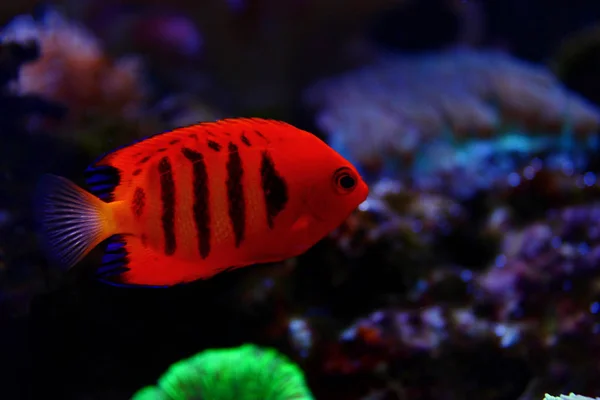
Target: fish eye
{"points": [[344, 180]]}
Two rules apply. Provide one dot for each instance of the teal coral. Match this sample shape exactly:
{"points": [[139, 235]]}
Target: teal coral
{"points": [[246, 372]]}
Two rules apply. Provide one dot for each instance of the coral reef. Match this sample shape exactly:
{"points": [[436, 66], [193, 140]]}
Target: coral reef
{"points": [[475, 283], [74, 70], [108, 99], [400, 104], [104, 98]]}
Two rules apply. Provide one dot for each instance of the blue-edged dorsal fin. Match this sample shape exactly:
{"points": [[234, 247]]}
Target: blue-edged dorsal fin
{"points": [[102, 181]]}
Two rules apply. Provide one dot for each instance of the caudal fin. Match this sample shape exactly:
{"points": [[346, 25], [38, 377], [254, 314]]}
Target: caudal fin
{"points": [[71, 221]]}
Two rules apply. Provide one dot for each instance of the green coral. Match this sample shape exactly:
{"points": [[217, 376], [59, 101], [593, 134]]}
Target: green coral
{"points": [[241, 373]]}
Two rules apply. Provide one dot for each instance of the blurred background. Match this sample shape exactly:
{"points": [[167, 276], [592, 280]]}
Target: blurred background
{"points": [[471, 272]]}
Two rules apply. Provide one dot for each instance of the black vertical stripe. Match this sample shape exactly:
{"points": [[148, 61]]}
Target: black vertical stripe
{"points": [[275, 189], [235, 194], [167, 197], [201, 200]]}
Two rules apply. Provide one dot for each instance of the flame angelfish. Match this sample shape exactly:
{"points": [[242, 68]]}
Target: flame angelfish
{"points": [[186, 204]]}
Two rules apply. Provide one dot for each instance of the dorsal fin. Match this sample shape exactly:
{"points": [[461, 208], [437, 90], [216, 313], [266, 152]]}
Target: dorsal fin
{"points": [[102, 181], [118, 167]]}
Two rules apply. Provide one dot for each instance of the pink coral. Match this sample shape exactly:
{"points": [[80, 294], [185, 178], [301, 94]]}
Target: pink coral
{"points": [[74, 70]]}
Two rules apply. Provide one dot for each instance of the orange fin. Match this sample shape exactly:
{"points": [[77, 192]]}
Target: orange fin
{"points": [[71, 221]]}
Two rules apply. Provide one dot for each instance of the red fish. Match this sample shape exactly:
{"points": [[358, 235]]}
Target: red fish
{"points": [[186, 204]]}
